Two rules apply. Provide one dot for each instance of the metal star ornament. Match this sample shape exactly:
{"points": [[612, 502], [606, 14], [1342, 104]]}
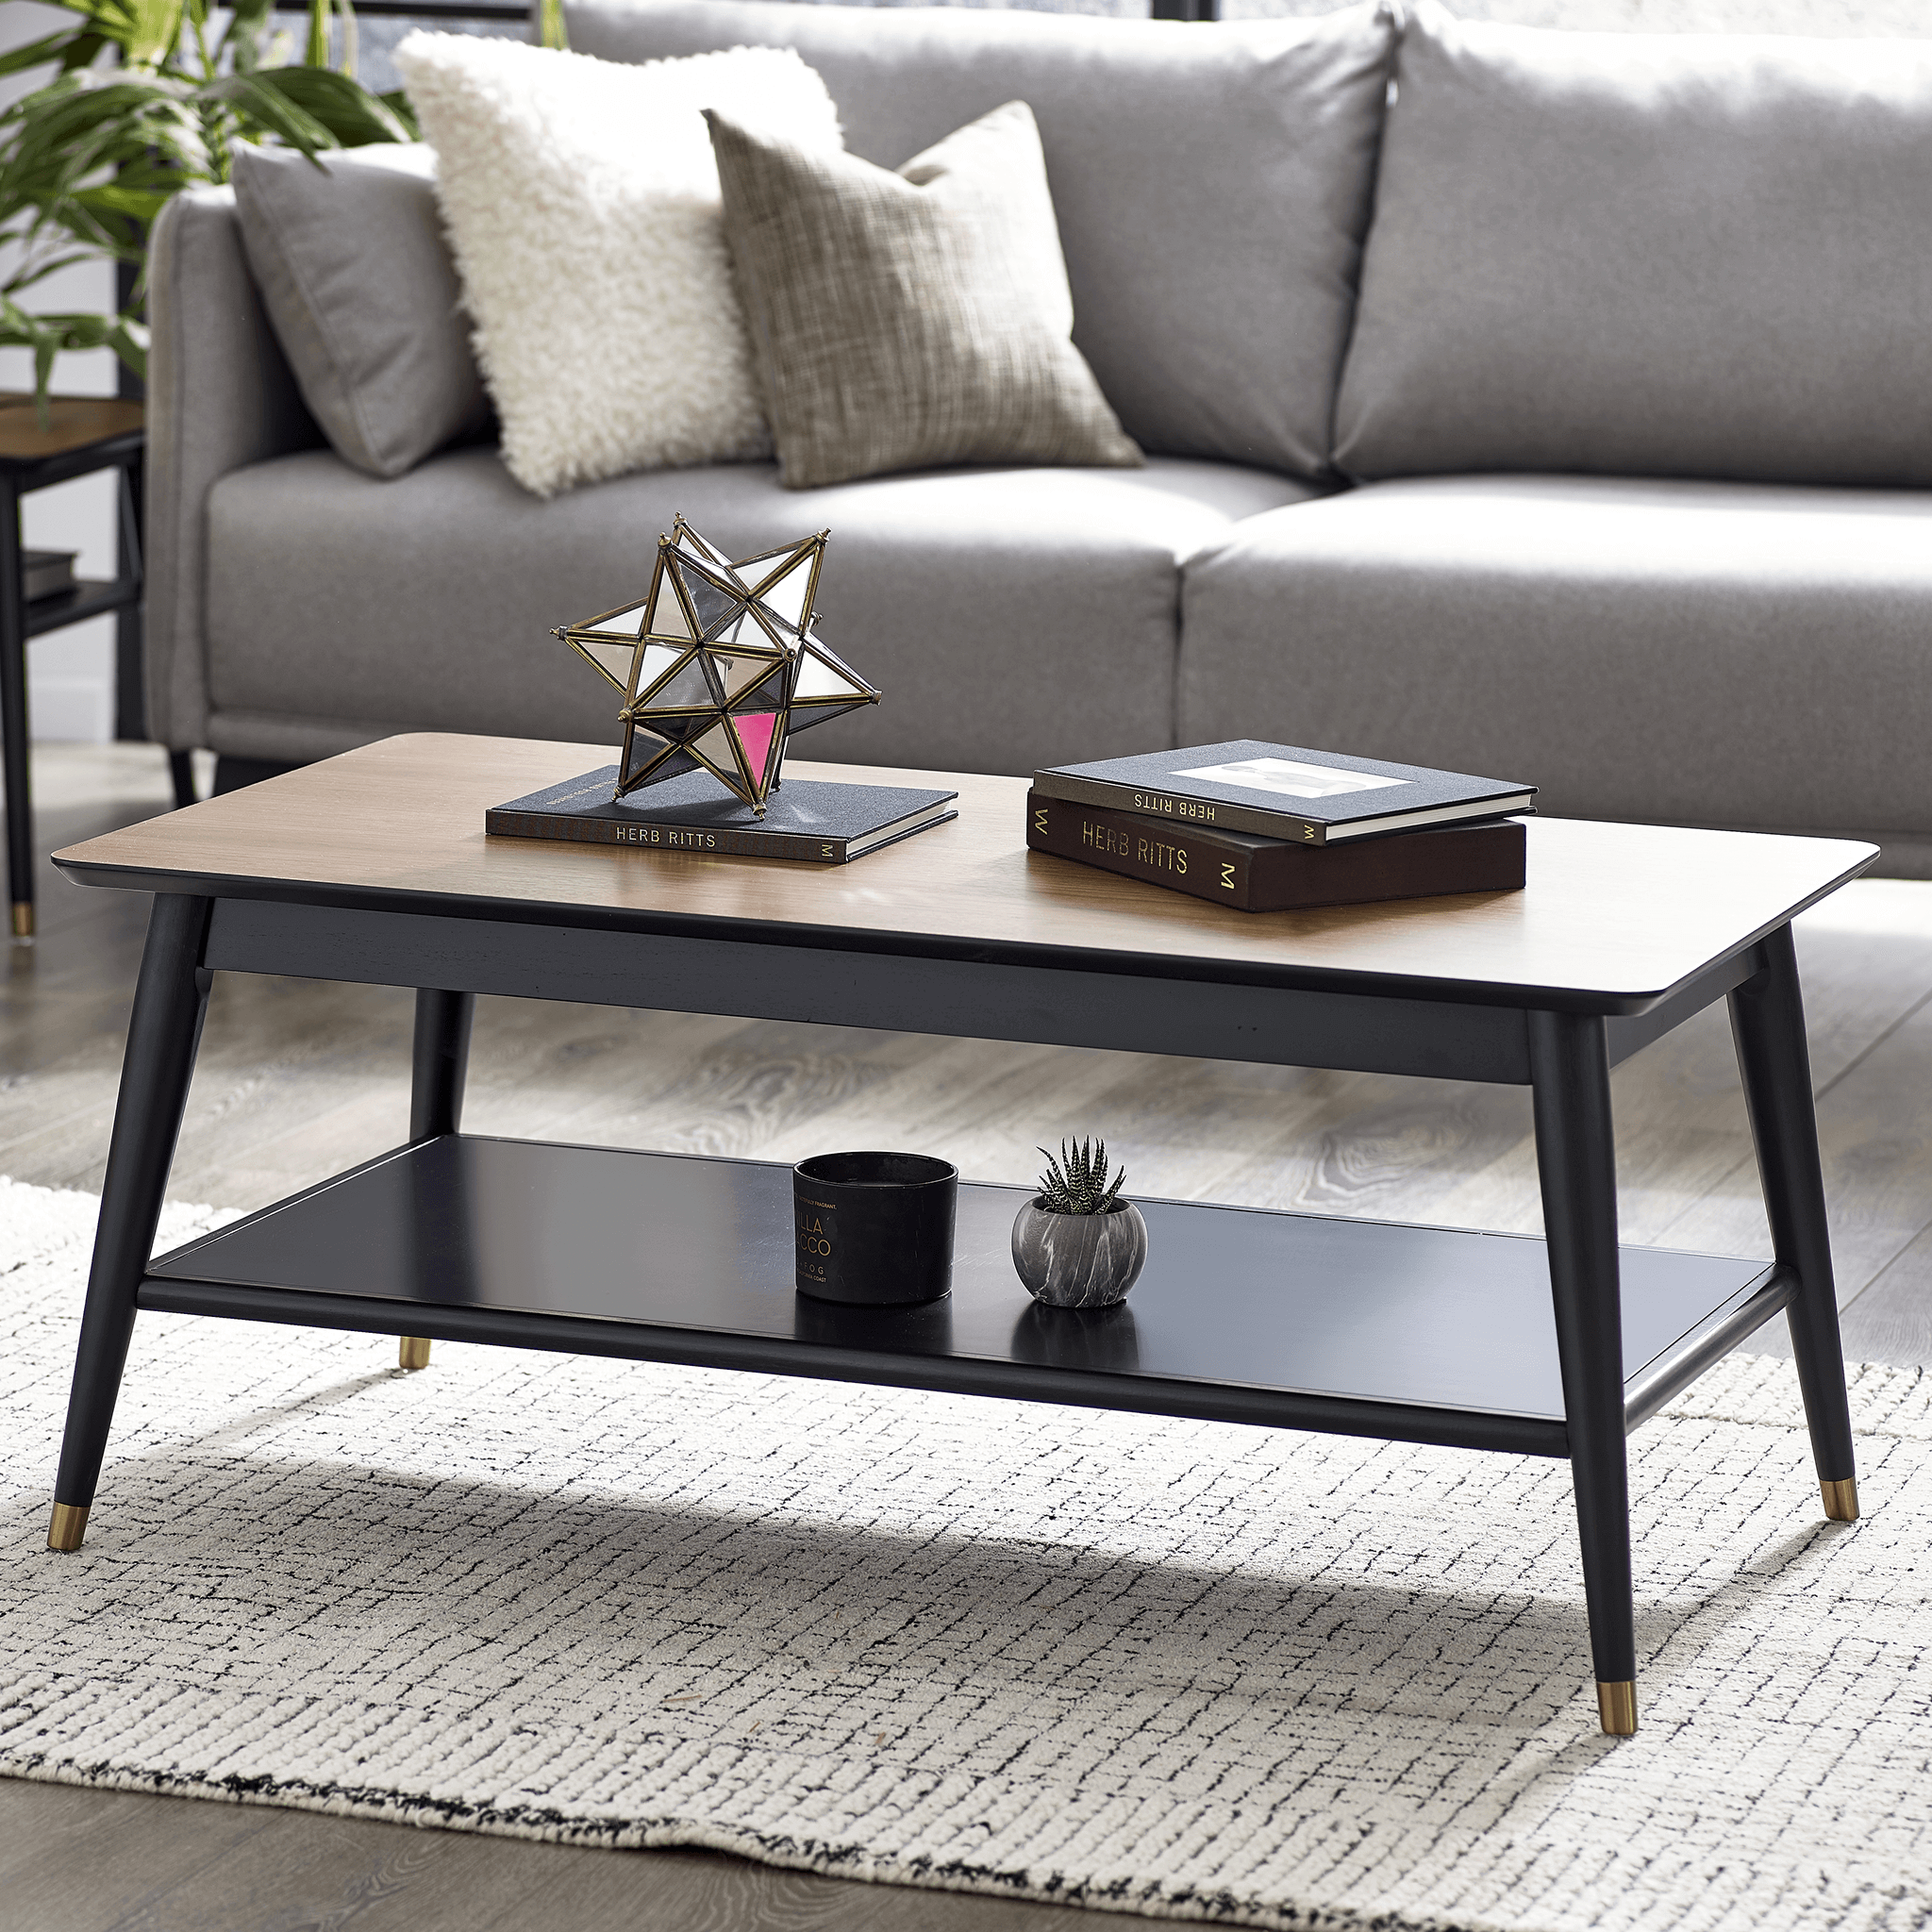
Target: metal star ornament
{"points": [[718, 665]]}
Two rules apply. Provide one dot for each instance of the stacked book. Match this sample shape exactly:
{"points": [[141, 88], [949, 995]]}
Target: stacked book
{"points": [[1276, 827]]}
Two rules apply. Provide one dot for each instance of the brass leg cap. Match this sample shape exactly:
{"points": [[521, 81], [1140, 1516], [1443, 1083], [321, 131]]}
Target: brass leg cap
{"points": [[23, 920], [1842, 1499], [1616, 1706], [68, 1526], [413, 1352]]}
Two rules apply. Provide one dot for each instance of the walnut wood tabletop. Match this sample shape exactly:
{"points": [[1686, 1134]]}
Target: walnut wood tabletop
{"points": [[375, 866], [1614, 917], [73, 423]]}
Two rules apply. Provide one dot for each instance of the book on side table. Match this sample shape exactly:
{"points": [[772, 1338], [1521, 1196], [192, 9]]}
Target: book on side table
{"points": [[1256, 874], [1283, 792], [806, 820]]}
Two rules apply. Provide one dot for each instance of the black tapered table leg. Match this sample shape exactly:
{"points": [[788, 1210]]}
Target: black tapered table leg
{"points": [[13, 725], [170, 999], [1576, 1163], [440, 1061], [1767, 1025]]}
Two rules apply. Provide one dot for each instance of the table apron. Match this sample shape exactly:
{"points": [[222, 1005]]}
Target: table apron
{"points": [[971, 999], [967, 998]]}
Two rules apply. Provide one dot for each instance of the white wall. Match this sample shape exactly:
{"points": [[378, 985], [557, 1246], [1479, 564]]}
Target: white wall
{"points": [[70, 673]]}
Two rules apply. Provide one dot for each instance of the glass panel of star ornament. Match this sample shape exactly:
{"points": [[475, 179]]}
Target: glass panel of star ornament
{"points": [[767, 694], [740, 670], [667, 618], [613, 660], [712, 603], [641, 749], [787, 594], [714, 746], [803, 717], [686, 689], [627, 623], [819, 677], [653, 662], [757, 736]]}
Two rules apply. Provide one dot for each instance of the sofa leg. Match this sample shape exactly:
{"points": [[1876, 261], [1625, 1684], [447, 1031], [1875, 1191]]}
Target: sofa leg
{"points": [[413, 1352], [233, 774]]}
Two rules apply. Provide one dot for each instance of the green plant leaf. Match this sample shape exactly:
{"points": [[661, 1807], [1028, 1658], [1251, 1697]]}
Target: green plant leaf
{"points": [[154, 26], [51, 265], [353, 116], [37, 52], [83, 50], [397, 101], [48, 336], [117, 198], [268, 106]]}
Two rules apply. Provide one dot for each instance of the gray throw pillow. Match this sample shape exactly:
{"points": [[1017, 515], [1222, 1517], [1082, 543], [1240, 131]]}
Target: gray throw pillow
{"points": [[359, 284], [1665, 255], [905, 320]]}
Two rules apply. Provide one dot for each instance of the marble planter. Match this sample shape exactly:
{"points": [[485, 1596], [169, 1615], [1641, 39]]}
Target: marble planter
{"points": [[1079, 1260]]}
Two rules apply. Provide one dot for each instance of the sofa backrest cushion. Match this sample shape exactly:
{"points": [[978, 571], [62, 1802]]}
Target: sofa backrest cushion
{"points": [[1212, 182], [1665, 255]]}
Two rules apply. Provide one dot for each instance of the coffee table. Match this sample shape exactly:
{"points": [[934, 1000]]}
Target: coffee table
{"points": [[373, 867]]}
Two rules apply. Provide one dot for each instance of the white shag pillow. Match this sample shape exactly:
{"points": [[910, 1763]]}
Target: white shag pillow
{"points": [[582, 203]]}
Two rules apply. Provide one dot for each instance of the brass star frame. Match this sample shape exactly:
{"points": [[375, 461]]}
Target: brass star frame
{"points": [[720, 664]]}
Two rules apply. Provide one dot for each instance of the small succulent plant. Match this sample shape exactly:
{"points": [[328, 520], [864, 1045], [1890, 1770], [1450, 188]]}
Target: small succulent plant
{"points": [[1077, 1183]]}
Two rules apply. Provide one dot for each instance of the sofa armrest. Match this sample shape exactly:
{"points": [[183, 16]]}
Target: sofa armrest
{"points": [[219, 395]]}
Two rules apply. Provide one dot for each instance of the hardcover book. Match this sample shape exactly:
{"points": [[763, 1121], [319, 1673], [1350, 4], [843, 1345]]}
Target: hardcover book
{"points": [[1283, 792], [47, 573], [1257, 874], [806, 820]]}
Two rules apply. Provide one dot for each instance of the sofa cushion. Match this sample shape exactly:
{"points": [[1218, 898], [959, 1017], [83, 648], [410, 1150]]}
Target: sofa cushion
{"points": [[1012, 617], [904, 319], [1212, 182], [1644, 253], [354, 271], [1706, 653]]}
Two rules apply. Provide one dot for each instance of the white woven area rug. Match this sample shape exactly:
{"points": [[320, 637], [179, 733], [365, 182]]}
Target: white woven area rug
{"points": [[1175, 1667]]}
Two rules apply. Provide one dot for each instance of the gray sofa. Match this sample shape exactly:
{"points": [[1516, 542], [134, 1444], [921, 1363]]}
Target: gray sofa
{"points": [[1563, 411]]}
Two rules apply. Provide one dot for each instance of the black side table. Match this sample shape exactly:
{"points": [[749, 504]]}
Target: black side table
{"points": [[83, 434]]}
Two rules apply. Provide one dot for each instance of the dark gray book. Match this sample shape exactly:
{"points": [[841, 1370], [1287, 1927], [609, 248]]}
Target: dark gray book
{"points": [[805, 818], [1283, 790], [47, 573]]}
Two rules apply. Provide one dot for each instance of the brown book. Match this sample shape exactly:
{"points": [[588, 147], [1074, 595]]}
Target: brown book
{"points": [[1257, 874]]}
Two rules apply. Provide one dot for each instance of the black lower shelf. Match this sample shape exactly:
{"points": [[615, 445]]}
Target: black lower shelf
{"points": [[1298, 1320]]}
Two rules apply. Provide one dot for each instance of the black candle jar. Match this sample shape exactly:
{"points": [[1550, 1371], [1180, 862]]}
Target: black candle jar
{"points": [[874, 1228]]}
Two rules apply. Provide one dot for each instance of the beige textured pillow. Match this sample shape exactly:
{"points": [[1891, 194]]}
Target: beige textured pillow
{"points": [[905, 320]]}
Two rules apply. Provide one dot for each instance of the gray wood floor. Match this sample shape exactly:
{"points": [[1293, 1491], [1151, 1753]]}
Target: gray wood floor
{"points": [[299, 1079]]}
